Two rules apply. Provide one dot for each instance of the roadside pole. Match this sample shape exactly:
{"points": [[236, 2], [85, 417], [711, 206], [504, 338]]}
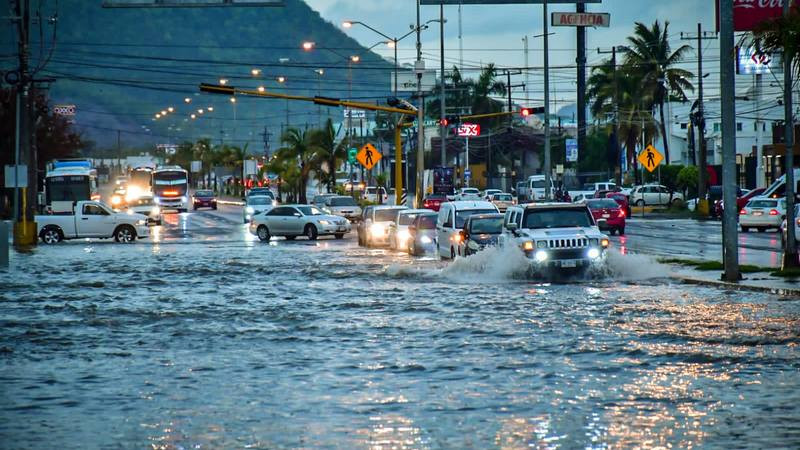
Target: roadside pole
{"points": [[442, 101], [730, 236], [466, 159], [419, 67], [398, 163], [790, 252], [548, 194]]}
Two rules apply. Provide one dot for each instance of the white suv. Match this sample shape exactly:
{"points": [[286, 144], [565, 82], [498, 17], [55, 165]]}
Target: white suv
{"points": [[556, 237]]}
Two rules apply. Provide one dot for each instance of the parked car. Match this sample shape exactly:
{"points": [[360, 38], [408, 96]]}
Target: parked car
{"points": [[371, 194], [376, 224], [762, 213], [434, 201], [489, 192], [622, 201], [146, 206], [608, 214], [557, 238], [291, 221], [452, 216], [796, 228], [480, 231], [467, 193], [422, 234], [255, 204], [204, 199], [654, 195], [91, 219], [344, 206], [502, 200], [398, 229], [741, 200]]}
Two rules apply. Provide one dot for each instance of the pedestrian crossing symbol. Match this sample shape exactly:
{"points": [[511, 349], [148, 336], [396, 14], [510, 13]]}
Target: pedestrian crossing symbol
{"points": [[368, 156], [650, 158]]}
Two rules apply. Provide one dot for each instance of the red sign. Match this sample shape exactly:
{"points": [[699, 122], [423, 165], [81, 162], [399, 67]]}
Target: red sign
{"points": [[560, 19], [749, 13], [469, 130]]}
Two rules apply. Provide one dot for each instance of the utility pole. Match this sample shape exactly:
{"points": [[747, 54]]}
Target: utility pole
{"points": [[580, 60], [702, 202], [527, 70], [790, 252], [616, 111], [547, 163], [442, 127], [419, 67], [730, 235]]}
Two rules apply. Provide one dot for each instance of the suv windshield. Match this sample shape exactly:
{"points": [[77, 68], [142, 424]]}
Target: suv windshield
{"points": [[385, 215], [261, 200], [260, 191], [557, 218], [342, 201], [427, 222], [462, 216], [492, 225], [600, 204]]}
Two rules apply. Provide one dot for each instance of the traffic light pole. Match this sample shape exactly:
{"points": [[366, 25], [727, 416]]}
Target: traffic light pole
{"points": [[730, 236], [790, 252], [548, 194]]}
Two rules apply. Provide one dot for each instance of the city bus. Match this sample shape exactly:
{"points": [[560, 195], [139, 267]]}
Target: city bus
{"points": [[65, 185], [171, 188], [140, 183]]}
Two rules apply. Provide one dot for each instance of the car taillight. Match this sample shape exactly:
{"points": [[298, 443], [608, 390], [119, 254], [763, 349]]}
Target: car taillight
{"points": [[621, 213], [743, 212], [773, 212], [426, 204]]}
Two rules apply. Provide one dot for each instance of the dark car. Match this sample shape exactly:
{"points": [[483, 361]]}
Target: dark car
{"points": [[741, 200], [422, 234], [434, 201], [480, 231], [204, 199], [715, 200], [608, 214]]}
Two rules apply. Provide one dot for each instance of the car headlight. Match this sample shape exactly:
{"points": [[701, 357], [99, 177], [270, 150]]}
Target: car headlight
{"points": [[593, 253], [604, 242], [249, 210], [425, 240], [377, 229], [115, 200], [540, 256], [541, 244], [155, 211], [141, 222], [274, 203], [403, 235], [185, 199], [324, 222], [527, 246]]}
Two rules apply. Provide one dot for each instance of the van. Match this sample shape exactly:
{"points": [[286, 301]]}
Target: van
{"points": [[452, 216], [536, 187]]}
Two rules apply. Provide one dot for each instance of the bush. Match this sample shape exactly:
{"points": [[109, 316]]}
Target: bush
{"points": [[687, 181]]}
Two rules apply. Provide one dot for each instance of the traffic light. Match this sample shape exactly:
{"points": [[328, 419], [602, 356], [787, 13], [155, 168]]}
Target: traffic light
{"points": [[444, 122], [395, 102], [525, 112], [449, 120]]}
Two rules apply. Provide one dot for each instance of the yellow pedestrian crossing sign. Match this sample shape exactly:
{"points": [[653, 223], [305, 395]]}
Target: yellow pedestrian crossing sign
{"points": [[368, 156], [650, 158]]}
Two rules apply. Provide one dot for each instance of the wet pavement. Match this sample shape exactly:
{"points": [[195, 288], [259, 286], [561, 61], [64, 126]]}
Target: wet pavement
{"points": [[203, 337]]}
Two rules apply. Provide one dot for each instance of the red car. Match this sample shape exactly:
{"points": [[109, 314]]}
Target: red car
{"points": [[204, 198], [719, 207], [434, 201], [608, 214], [622, 201]]}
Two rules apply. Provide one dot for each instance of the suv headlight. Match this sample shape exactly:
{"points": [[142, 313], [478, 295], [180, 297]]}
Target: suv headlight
{"points": [[541, 244]]}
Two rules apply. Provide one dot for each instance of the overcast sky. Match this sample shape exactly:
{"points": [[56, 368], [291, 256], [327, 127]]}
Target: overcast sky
{"points": [[493, 33]]}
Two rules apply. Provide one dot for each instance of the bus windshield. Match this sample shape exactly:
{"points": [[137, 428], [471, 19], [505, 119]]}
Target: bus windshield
{"points": [[68, 188]]}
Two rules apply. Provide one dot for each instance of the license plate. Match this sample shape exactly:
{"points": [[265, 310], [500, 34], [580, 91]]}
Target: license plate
{"points": [[757, 213], [569, 263], [606, 216]]}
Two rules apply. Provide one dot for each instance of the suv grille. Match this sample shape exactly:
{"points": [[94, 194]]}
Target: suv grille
{"points": [[568, 243]]}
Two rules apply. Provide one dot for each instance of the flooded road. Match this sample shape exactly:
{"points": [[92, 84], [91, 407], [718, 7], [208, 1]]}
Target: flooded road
{"points": [[210, 339]]}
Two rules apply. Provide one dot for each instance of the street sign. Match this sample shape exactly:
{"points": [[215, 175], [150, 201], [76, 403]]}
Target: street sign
{"points": [[354, 113], [469, 130], [467, 173], [407, 81], [64, 110], [560, 19], [10, 176], [750, 61], [559, 169], [572, 150], [368, 156], [351, 155], [650, 158]]}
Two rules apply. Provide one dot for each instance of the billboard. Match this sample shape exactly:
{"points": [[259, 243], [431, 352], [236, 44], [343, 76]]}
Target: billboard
{"points": [[749, 13], [563, 19], [407, 81]]}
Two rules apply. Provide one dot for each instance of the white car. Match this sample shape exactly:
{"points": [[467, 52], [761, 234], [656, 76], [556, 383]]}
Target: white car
{"points": [[255, 204], [654, 195], [145, 206], [762, 213], [398, 230], [468, 193], [487, 194], [377, 222], [796, 228], [371, 194], [450, 222], [502, 200], [556, 237], [297, 220], [344, 206], [91, 219]]}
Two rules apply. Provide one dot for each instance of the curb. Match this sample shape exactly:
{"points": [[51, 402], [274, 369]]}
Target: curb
{"points": [[786, 292]]}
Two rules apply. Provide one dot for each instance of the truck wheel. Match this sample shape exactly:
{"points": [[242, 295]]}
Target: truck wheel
{"points": [[51, 235], [311, 232], [263, 233], [125, 234]]}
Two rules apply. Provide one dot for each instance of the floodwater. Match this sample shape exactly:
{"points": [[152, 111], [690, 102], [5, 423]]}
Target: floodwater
{"points": [[189, 343]]}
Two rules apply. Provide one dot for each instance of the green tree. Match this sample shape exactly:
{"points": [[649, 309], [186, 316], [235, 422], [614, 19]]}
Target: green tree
{"points": [[778, 35], [687, 181], [302, 149], [475, 95], [327, 153], [650, 55]]}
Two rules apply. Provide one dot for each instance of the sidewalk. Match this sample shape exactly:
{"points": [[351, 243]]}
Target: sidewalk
{"points": [[758, 282]]}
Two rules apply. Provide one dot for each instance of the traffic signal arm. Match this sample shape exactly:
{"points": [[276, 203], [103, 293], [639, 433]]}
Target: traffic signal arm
{"points": [[487, 115]]}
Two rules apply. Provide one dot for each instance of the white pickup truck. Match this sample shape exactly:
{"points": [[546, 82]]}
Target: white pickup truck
{"points": [[91, 219]]}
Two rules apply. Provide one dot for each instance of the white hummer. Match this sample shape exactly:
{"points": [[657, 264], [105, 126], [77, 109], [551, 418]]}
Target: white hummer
{"points": [[556, 237], [91, 219]]}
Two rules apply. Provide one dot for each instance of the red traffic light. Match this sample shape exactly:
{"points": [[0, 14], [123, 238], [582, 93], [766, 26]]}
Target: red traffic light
{"points": [[525, 112], [444, 122]]}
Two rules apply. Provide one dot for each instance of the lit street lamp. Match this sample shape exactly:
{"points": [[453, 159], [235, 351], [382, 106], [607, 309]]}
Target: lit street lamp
{"points": [[187, 100]]}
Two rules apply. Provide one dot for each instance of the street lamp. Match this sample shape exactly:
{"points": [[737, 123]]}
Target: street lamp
{"points": [[308, 45], [171, 109], [255, 72], [233, 99], [193, 116], [187, 100], [261, 89], [355, 58], [163, 112], [200, 111], [210, 109], [223, 81], [281, 79], [158, 115]]}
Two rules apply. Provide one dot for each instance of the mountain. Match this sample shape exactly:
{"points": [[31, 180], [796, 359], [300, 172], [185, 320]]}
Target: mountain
{"points": [[120, 66]]}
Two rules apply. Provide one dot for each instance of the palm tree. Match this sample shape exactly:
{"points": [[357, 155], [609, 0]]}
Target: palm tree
{"points": [[474, 94], [650, 54], [778, 35], [300, 147], [327, 152]]}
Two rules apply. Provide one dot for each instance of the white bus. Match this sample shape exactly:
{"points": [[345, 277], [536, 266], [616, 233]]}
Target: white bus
{"points": [[171, 188], [65, 185]]}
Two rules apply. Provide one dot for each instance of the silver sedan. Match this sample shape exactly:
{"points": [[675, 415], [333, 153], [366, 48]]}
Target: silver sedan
{"points": [[297, 220]]}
